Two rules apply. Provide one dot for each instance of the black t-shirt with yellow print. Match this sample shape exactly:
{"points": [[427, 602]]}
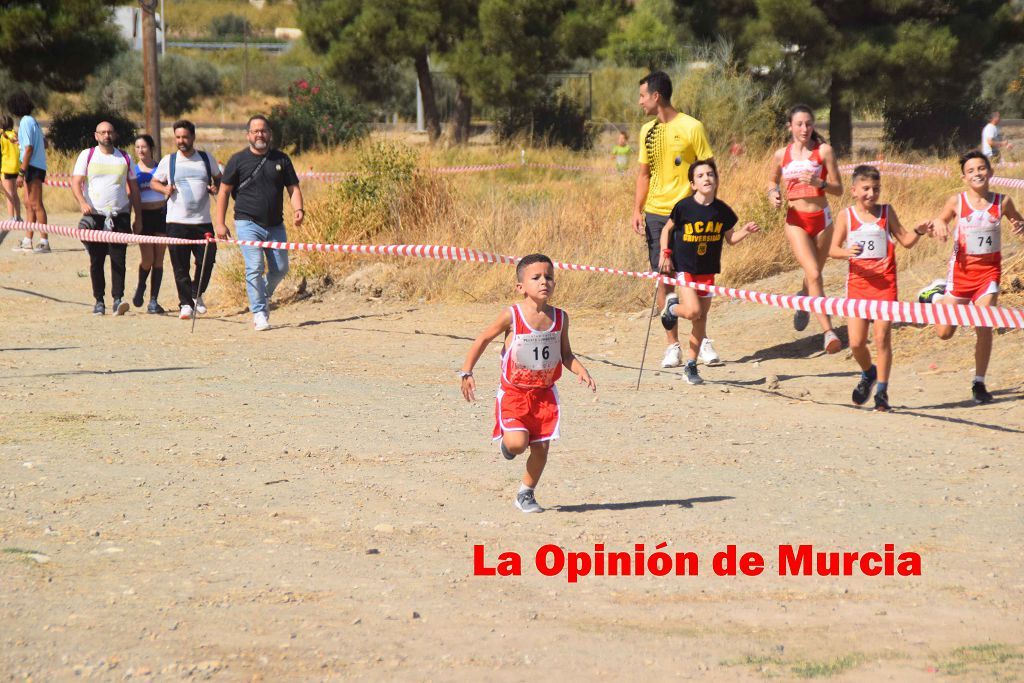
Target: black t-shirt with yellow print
{"points": [[698, 235]]}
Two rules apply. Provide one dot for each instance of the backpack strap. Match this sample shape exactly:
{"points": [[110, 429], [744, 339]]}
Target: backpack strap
{"points": [[174, 158], [209, 168]]}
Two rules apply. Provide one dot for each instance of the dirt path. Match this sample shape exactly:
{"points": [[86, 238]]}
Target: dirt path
{"points": [[304, 503]]}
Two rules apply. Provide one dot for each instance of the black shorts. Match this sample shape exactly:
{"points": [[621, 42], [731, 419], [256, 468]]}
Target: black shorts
{"points": [[10, 176], [653, 225], [154, 221], [33, 174]]}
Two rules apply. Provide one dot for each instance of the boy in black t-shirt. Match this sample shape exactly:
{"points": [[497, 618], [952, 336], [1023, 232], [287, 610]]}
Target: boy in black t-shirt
{"points": [[698, 226]]}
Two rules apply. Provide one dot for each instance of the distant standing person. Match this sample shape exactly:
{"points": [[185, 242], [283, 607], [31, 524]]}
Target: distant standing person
{"points": [[9, 165], [668, 145], [992, 143], [256, 178], [105, 186], [32, 169], [154, 222], [187, 178], [621, 152]]}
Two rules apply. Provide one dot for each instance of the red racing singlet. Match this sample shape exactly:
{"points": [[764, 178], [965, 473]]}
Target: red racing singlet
{"points": [[977, 237], [792, 168], [533, 358], [877, 259]]}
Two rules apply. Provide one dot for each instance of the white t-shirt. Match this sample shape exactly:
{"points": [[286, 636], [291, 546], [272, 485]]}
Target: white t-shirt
{"points": [[989, 132], [190, 203], [106, 177]]}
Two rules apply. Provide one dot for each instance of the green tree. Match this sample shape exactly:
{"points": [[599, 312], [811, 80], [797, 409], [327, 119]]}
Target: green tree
{"points": [[363, 39], [1003, 83], [907, 55], [56, 42], [648, 36], [497, 51]]}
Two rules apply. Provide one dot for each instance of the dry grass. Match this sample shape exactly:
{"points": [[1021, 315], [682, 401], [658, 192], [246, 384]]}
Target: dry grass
{"points": [[576, 217], [573, 216]]}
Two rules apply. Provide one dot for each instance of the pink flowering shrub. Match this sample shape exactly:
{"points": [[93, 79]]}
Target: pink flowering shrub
{"points": [[318, 116]]}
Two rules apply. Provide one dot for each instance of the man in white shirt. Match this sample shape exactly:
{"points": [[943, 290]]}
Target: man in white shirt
{"points": [[992, 143], [187, 178], [104, 184]]}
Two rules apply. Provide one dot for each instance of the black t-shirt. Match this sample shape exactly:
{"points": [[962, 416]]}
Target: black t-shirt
{"points": [[698, 235], [261, 200]]}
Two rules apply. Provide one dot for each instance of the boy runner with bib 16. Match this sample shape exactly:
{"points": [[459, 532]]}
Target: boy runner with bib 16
{"points": [[536, 347]]}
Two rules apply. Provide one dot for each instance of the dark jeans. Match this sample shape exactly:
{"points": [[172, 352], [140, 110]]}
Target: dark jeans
{"points": [[181, 257], [98, 252]]}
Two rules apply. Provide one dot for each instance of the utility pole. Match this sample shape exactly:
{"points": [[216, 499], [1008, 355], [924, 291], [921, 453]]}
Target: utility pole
{"points": [[151, 72]]}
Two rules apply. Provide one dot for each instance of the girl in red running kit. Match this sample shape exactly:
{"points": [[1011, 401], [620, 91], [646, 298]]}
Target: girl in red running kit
{"points": [[975, 265], [870, 231], [535, 349], [808, 168]]}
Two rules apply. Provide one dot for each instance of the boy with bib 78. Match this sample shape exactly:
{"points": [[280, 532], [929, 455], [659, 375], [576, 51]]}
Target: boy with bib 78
{"points": [[870, 231], [535, 349]]}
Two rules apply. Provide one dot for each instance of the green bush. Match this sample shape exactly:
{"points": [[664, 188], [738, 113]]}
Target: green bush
{"points": [[557, 120], [230, 27], [118, 86], [940, 127], [74, 131], [317, 116]]}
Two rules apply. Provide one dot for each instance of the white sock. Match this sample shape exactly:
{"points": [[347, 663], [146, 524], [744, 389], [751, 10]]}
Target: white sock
{"points": [[979, 378], [524, 487]]}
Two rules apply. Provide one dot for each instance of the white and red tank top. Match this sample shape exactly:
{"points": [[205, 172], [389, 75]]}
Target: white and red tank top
{"points": [[877, 258], [793, 168], [533, 358], [977, 236]]}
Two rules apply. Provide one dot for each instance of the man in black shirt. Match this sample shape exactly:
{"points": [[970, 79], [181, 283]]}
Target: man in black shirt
{"points": [[255, 178]]}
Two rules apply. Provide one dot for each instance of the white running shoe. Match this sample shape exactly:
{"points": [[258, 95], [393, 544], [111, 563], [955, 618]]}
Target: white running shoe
{"points": [[260, 322], [25, 245], [832, 342], [708, 355], [185, 313], [200, 306], [673, 357]]}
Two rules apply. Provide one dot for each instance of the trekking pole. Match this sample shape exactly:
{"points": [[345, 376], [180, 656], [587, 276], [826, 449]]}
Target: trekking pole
{"points": [[647, 338], [199, 280]]}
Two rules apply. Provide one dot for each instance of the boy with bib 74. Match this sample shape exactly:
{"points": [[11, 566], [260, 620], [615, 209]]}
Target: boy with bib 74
{"points": [[870, 231], [975, 267], [535, 349]]}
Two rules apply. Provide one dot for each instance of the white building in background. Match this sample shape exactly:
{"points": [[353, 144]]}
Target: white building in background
{"points": [[129, 26]]}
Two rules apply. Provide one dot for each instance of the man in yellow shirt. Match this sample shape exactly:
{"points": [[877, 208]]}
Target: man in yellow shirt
{"points": [[668, 145]]}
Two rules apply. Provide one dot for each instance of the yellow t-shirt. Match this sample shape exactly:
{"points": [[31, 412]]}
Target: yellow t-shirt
{"points": [[9, 153], [669, 149]]}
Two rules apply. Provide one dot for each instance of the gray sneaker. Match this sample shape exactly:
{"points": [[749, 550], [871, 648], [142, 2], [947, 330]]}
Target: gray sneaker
{"points": [[506, 453], [42, 248], [801, 318], [691, 374], [526, 502]]}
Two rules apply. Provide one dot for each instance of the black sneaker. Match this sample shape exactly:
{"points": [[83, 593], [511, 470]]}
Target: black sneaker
{"points": [[154, 307], [882, 401], [120, 307], [139, 297], [691, 374], [863, 388], [506, 453], [980, 393], [669, 319], [99, 309]]}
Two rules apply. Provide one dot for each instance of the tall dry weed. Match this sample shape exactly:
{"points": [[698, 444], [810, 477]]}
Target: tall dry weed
{"points": [[572, 216]]}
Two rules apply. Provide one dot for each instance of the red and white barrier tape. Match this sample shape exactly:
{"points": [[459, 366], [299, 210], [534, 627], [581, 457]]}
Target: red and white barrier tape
{"points": [[94, 235], [920, 171], [894, 311]]}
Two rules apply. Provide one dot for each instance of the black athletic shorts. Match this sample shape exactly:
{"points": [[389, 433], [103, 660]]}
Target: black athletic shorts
{"points": [[33, 174], [154, 221]]}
